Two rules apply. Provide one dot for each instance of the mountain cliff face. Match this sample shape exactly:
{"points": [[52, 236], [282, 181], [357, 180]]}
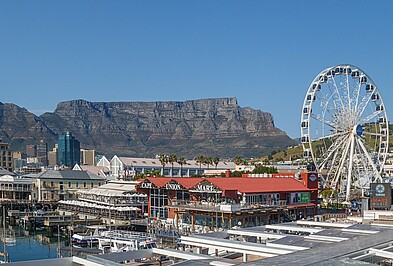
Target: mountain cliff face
{"points": [[20, 127], [209, 126]]}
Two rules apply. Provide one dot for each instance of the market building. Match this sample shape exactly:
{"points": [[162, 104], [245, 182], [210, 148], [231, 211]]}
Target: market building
{"points": [[116, 202], [218, 202]]}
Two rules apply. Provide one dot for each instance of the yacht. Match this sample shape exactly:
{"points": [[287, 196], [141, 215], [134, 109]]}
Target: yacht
{"points": [[121, 241], [90, 237]]}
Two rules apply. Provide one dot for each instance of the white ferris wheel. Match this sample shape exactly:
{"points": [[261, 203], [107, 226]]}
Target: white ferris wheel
{"points": [[345, 130]]}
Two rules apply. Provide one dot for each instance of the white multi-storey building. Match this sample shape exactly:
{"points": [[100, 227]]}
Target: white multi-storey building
{"points": [[126, 166]]}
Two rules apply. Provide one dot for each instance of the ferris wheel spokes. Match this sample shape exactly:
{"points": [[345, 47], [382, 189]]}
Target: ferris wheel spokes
{"points": [[345, 129]]}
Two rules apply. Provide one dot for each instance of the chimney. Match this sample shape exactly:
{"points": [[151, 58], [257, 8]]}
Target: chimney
{"points": [[227, 173]]}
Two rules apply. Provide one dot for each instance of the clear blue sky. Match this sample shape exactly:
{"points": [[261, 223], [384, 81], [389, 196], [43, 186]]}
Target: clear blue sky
{"points": [[265, 53]]}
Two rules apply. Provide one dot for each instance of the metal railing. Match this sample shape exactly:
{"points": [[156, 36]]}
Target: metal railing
{"points": [[16, 189], [217, 206]]}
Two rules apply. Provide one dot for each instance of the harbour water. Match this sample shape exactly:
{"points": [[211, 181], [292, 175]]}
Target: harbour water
{"points": [[24, 245]]}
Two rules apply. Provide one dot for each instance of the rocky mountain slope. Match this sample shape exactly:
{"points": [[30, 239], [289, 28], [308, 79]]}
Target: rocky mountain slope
{"points": [[20, 127], [208, 126]]}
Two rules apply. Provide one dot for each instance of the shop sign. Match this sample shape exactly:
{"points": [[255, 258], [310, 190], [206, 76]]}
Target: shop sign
{"points": [[305, 197], [207, 188], [381, 195], [146, 185], [312, 177], [172, 186], [300, 197]]}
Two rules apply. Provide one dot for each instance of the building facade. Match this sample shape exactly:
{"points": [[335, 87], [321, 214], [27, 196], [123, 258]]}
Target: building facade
{"points": [[37, 154], [5, 157], [68, 153], [52, 156], [124, 167], [226, 202], [54, 185], [14, 189], [116, 202], [88, 157]]}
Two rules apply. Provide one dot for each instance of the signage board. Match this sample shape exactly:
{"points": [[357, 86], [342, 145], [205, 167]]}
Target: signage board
{"points": [[300, 197], [172, 186], [205, 187], [305, 197], [146, 185], [381, 196]]}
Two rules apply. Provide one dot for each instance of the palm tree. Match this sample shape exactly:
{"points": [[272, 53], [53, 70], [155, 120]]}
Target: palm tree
{"points": [[172, 159], [208, 161], [182, 161], [200, 159], [237, 160], [163, 160], [216, 160]]}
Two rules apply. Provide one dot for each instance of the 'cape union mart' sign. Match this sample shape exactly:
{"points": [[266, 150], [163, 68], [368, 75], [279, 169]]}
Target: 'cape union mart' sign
{"points": [[172, 186], [169, 186], [206, 188], [146, 185]]}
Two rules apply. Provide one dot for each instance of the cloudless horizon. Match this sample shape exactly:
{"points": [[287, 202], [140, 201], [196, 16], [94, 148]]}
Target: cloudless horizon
{"points": [[264, 53]]}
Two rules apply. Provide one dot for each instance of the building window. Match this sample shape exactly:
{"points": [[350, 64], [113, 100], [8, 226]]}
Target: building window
{"points": [[51, 184], [69, 184], [159, 201], [92, 184], [77, 184], [84, 184], [70, 196]]}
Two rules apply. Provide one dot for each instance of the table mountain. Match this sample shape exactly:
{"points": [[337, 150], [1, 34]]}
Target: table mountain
{"points": [[208, 126], [20, 127]]}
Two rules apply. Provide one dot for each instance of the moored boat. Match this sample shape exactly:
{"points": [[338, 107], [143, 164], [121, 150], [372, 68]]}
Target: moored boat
{"points": [[90, 237], [121, 241]]}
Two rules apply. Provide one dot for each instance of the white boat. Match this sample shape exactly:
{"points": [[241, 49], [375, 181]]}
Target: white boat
{"points": [[8, 236], [121, 241], [90, 237]]}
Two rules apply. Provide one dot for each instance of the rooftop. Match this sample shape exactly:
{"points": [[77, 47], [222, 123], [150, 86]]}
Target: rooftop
{"points": [[240, 184], [5, 172], [69, 175], [155, 163]]}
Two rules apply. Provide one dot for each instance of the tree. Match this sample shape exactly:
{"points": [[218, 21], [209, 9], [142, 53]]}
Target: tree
{"points": [[237, 160], [172, 159], [200, 159], [163, 160], [182, 161], [208, 161], [216, 160], [263, 169]]}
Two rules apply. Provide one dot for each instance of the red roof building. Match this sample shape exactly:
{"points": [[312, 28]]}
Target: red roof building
{"points": [[225, 202]]}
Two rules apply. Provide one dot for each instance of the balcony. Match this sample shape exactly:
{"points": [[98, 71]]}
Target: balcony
{"points": [[19, 189], [46, 187], [224, 207]]}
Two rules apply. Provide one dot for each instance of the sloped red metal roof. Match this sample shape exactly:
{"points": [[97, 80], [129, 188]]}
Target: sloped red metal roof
{"points": [[241, 184], [159, 181], [187, 182], [256, 185]]}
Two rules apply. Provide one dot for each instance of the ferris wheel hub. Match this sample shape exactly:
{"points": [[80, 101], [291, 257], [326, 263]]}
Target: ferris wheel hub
{"points": [[358, 130]]}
